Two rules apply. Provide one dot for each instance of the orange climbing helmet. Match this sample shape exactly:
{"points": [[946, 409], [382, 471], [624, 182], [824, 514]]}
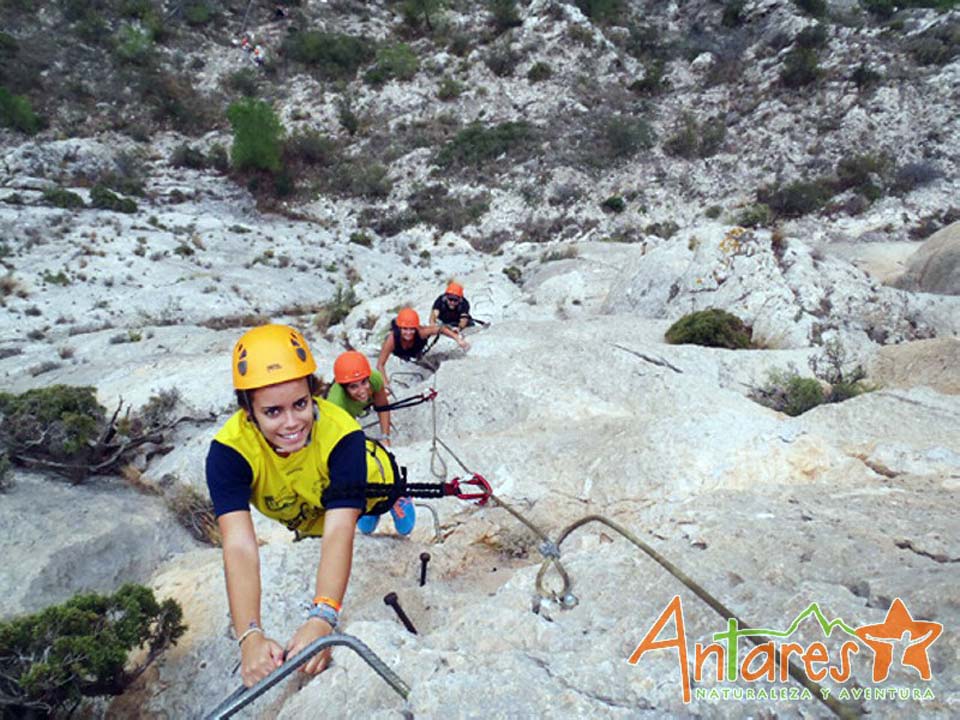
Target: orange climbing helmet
{"points": [[455, 288], [408, 318], [270, 354], [350, 367]]}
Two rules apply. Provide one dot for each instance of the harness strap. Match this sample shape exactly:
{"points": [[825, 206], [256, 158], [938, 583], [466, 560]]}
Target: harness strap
{"points": [[407, 402]]}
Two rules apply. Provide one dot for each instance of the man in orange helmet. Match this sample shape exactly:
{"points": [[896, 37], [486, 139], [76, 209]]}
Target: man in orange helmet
{"points": [[452, 308], [299, 460], [408, 339], [356, 388]]}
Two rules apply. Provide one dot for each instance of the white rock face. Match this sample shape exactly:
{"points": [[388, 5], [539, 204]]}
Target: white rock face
{"points": [[570, 403]]}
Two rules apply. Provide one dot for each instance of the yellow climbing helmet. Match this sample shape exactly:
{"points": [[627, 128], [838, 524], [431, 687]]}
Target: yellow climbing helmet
{"points": [[270, 354]]}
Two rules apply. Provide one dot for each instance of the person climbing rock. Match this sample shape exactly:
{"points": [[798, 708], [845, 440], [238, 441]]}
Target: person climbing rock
{"points": [[408, 339], [452, 308], [356, 388], [299, 460]]}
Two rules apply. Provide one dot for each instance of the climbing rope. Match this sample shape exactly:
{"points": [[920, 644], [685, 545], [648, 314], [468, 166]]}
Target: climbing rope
{"points": [[243, 696]]}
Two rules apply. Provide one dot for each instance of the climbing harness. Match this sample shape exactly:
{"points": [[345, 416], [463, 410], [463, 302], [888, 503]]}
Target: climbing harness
{"points": [[243, 696]]}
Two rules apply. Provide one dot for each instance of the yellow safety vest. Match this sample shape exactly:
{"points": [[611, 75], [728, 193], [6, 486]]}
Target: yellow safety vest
{"points": [[290, 489]]}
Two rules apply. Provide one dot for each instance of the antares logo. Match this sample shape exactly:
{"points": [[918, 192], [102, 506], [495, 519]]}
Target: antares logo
{"points": [[766, 662]]}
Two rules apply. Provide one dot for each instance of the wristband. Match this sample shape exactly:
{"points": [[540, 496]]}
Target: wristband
{"points": [[323, 600], [325, 613]]}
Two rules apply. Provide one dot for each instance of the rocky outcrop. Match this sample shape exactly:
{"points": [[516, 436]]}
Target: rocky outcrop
{"points": [[58, 540], [935, 267], [934, 363]]}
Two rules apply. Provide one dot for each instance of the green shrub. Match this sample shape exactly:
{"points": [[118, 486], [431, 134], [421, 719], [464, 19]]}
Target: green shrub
{"points": [[711, 328], [476, 144], [16, 113], [614, 203], [311, 148], [816, 8], [504, 14], [185, 156], [539, 72], [52, 659], [514, 274], [61, 198], [134, 45], [787, 392], [796, 199], [864, 76], [103, 198], [868, 174], [243, 81], [603, 11], [59, 422], [913, 175], [624, 137], [333, 55], [348, 119], [665, 230], [713, 212], [366, 179], [449, 89], [395, 62], [757, 215], [502, 61], [434, 205], [800, 67], [692, 140], [733, 14], [937, 46], [257, 134], [198, 13], [361, 239], [6, 476], [335, 310], [812, 37], [421, 13], [653, 81]]}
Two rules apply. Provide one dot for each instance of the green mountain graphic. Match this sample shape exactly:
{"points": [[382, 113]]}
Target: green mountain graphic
{"points": [[826, 626]]}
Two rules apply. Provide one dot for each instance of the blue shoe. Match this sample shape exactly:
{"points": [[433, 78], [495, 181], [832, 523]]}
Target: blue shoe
{"points": [[404, 515], [368, 523]]}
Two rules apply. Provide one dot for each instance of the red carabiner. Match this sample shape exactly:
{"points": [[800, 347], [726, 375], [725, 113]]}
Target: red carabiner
{"points": [[429, 394], [477, 480]]}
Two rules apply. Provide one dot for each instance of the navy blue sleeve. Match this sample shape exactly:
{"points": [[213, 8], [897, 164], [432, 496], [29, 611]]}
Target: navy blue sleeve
{"points": [[229, 479], [438, 303], [464, 308], [348, 473]]}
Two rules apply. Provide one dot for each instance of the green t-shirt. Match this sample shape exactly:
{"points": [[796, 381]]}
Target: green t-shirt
{"points": [[338, 395]]}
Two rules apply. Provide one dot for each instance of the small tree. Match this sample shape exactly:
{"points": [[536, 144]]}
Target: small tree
{"points": [[79, 649], [17, 113], [257, 135]]}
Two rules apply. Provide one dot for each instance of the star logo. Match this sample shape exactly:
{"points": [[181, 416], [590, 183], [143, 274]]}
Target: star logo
{"points": [[881, 637]]}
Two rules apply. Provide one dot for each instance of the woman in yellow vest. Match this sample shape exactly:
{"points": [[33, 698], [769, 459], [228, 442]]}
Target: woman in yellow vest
{"points": [[300, 460]]}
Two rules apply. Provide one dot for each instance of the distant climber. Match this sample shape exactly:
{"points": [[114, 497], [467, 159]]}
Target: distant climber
{"points": [[356, 388], [408, 339], [452, 308]]}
